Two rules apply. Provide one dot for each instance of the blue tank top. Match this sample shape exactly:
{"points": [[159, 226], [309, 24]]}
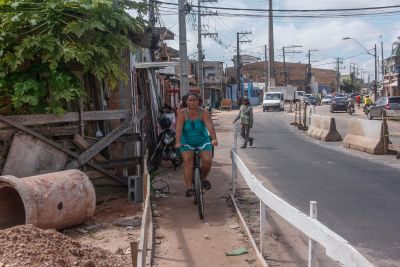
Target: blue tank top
{"points": [[194, 132]]}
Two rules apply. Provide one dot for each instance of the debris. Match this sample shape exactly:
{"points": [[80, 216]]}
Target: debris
{"points": [[159, 237], [94, 227], [119, 251], [237, 252], [206, 236], [128, 221], [274, 236], [40, 158], [82, 231], [233, 226]]}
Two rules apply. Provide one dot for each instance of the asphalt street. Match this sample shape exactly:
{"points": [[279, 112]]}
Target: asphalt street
{"points": [[357, 198]]}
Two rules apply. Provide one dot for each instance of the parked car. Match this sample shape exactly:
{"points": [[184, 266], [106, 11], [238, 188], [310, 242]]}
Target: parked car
{"points": [[327, 100], [311, 100], [339, 104], [391, 104]]}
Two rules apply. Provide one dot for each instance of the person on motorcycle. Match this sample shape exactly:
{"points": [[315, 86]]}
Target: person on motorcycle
{"points": [[350, 103], [367, 101], [194, 127], [358, 100]]}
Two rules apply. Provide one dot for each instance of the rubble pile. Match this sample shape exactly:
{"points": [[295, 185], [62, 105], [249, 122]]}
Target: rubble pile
{"points": [[27, 245]]}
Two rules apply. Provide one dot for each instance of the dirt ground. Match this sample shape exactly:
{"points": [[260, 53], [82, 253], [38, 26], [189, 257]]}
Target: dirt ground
{"points": [[104, 240], [27, 245], [114, 225]]}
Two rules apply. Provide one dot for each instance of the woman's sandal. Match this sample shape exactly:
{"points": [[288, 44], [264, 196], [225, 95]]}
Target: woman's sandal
{"points": [[207, 184], [189, 193]]}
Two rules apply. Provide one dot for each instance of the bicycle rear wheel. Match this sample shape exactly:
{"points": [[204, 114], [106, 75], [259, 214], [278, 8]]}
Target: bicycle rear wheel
{"points": [[199, 193]]}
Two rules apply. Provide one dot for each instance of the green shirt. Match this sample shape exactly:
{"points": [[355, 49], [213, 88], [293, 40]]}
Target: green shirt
{"points": [[245, 115]]}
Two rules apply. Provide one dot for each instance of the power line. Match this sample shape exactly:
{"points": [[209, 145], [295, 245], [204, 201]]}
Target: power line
{"points": [[293, 10]]}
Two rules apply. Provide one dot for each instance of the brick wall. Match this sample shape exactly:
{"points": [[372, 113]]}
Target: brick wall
{"points": [[296, 73]]}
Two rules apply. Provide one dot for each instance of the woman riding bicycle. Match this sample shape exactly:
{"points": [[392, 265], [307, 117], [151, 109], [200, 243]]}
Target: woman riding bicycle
{"points": [[191, 129]]}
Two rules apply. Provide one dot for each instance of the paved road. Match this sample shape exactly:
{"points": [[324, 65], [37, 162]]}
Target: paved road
{"points": [[358, 199]]}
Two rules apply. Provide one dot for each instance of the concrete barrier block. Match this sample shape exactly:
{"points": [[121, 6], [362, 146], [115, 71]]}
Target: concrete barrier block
{"points": [[323, 128], [365, 135]]}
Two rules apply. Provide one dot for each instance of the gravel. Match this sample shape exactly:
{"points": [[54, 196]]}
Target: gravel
{"points": [[27, 245]]}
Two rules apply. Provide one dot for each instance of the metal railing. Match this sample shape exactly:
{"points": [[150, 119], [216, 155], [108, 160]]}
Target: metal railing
{"points": [[337, 248]]}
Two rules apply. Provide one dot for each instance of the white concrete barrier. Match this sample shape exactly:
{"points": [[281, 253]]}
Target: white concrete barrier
{"points": [[365, 135], [323, 128]]}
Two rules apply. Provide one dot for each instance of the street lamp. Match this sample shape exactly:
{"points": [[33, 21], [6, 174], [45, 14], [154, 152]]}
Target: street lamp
{"points": [[369, 53]]}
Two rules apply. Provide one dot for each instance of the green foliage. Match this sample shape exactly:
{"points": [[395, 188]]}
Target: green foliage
{"points": [[396, 47], [40, 39]]}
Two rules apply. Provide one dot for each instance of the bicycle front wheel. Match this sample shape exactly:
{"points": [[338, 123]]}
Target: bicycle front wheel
{"points": [[199, 192]]}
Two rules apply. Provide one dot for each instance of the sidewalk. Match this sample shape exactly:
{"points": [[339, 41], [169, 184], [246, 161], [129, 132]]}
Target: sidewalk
{"points": [[182, 239]]}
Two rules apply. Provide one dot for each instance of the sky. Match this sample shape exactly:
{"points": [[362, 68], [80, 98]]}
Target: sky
{"points": [[322, 34]]}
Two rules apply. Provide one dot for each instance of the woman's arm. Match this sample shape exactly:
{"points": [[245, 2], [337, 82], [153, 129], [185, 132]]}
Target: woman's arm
{"points": [[210, 127], [179, 126]]}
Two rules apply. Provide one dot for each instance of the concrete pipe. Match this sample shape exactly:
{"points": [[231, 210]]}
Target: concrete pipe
{"points": [[53, 200]]}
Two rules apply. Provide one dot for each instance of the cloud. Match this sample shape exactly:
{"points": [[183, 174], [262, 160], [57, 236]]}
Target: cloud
{"points": [[323, 34]]}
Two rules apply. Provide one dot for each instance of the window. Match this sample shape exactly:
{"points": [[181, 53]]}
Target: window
{"points": [[272, 96], [394, 100]]}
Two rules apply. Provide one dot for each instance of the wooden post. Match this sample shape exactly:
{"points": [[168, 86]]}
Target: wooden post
{"points": [[134, 252], [81, 121]]}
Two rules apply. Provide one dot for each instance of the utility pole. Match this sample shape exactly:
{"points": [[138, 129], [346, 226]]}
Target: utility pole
{"points": [[339, 61], [200, 46], [376, 77], [308, 74], [271, 61], [267, 73], [152, 17], [183, 58], [383, 67], [238, 67], [352, 74], [284, 59]]}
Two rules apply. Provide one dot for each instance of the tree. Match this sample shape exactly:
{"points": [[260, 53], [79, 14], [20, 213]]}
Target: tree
{"points": [[396, 47], [40, 40]]}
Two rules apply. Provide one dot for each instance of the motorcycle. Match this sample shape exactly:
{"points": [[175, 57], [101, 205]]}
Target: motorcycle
{"points": [[366, 108], [165, 149], [350, 108]]}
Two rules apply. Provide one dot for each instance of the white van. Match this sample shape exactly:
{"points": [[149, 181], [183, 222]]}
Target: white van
{"points": [[300, 95], [273, 100]]}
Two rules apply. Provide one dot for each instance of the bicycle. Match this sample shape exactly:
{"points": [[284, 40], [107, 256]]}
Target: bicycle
{"points": [[197, 184]]}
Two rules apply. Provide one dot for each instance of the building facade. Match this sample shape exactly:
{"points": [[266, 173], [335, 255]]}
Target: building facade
{"points": [[391, 76]]}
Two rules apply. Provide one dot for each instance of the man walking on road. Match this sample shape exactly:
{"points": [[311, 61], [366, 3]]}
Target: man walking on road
{"points": [[246, 120]]}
